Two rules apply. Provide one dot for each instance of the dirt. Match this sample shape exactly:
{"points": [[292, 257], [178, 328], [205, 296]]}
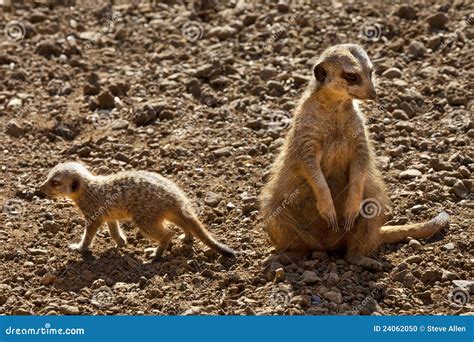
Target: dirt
{"points": [[203, 94]]}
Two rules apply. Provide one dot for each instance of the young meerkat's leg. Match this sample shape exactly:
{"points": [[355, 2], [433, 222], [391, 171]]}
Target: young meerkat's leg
{"points": [[357, 178], [91, 230], [117, 234], [158, 232], [314, 176]]}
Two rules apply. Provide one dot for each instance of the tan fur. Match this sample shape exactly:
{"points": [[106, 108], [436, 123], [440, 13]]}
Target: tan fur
{"points": [[328, 161], [145, 198]]}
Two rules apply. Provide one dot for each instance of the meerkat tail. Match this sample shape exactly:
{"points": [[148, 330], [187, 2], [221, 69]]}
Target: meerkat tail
{"points": [[192, 224], [394, 234]]}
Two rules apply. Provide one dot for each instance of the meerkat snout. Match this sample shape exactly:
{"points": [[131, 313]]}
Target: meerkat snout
{"points": [[345, 72]]}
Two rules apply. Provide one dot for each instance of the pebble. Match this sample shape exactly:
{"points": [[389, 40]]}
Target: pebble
{"points": [[69, 310], [222, 152], [223, 32], [50, 226], [414, 259], [310, 277], [15, 103], [333, 296], [449, 246], [48, 278], [392, 73], [460, 189], [432, 275], [414, 244], [409, 174], [212, 199], [416, 49], [13, 129], [279, 275], [406, 12], [106, 100], [437, 21]]}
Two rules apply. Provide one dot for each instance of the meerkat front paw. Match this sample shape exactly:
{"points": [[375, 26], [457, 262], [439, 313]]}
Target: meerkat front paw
{"points": [[328, 212], [78, 247], [349, 219]]}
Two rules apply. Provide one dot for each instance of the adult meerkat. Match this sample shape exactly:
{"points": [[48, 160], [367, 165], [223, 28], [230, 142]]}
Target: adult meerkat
{"points": [[325, 175], [145, 198]]}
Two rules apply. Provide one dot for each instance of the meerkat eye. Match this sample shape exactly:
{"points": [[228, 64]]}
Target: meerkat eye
{"points": [[55, 183], [351, 77]]}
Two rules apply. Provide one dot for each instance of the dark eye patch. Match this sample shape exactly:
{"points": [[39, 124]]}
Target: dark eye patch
{"points": [[351, 78]]}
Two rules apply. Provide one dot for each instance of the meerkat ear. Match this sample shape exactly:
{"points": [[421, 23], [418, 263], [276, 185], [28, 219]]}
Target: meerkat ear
{"points": [[75, 184], [319, 72]]}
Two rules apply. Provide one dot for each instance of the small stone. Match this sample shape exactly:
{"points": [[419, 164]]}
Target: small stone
{"points": [[283, 7], [22, 312], [212, 199], [437, 21], [106, 100], [279, 275], [230, 206], [69, 310], [407, 12], [400, 115], [14, 129], [223, 32], [222, 152], [434, 42], [37, 251], [449, 246], [432, 275], [48, 278], [416, 49], [414, 244], [301, 300], [310, 277], [275, 88], [409, 174], [50, 226], [193, 311], [460, 189], [15, 103], [122, 157], [447, 275], [268, 73], [414, 259], [315, 300], [333, 296], [416, 209], [392, 73]]}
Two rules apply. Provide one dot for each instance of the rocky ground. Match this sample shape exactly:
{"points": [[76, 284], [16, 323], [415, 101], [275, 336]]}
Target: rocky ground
{"points": [[203, 94]]}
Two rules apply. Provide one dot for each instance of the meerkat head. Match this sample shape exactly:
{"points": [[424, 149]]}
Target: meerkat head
{"points": [[345, 72], [66, 180]]}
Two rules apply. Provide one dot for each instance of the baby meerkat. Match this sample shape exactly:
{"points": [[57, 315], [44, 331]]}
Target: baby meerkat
{"points": [[325, 177], [145, 198]]}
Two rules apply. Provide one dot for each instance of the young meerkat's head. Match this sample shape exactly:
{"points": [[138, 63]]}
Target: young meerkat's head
{"points": [[66, 180], [345, 72]]}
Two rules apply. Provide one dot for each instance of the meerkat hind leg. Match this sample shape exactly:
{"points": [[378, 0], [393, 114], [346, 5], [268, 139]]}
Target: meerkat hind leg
{"points": [[117, 234], [158, 233]]}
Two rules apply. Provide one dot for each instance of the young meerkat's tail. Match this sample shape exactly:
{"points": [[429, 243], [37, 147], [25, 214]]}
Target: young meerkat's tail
{"points": [[394, 234], [189, 222]]}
